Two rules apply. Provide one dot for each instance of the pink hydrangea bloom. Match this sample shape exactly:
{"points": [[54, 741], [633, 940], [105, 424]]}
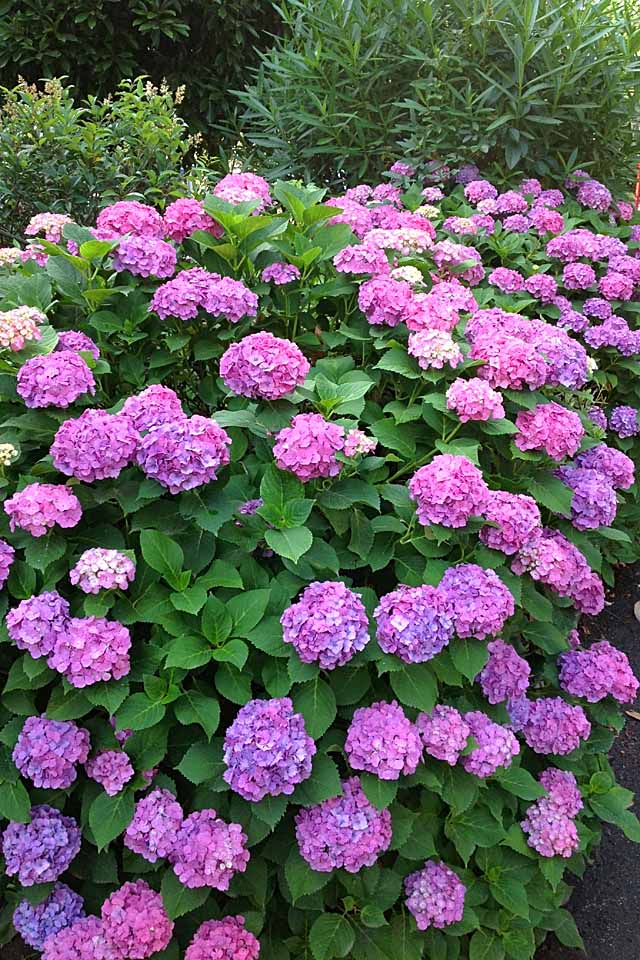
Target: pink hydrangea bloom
{"points": [[128, 216], [480, 190], [361, 258], [434, 348], [384, 300], [184, 454], [357, 442], [593, 194], [435, 896], [155, 825], [505, 675], [186, 215], [407, 239], [448, 256], [554, 726], [152, 407], [135, 921], [54, 379], [230, 299], [511, 201], [444, 733], [327, 624], [542, 286], [474, 399], [308, 447], [7, 553], [47, 751], [509, 281], [554, 561], [414, 623], [209, 851], [243, 188], [594, 502], [36, 623], [91, 649], [49, 224], [101, 569], [549, 427], [616, 286], [264, 367], [510, 363], [94, 446], [563, 791], [145, 257], [598, 672], [596, 307], [479, 601], [280, 273], [518, 520], [39, 507], [448, 491], [76, 341], [578, 276], [224, 939], [497, 746], [550, 833], [83, 940], [184, 295], [20, 326], [383, 741], [111, 769]]}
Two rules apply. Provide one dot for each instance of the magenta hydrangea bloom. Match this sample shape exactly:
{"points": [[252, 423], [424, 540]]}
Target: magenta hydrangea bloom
{"points": [[135, 922], [54, 380], [414, 623], [497, 746], [184, 454], [76, 341], [39, 851], [598, 672], [111, 769], [264, 367], [101, 569], [556, 562], [448, 491], [434, 348], [435, 896], [447, 256], [229, 298], [477, 190], [505, 674], [7, 553], [186, 215], [542, 286], [563, 791], [39, 507], [474, 399], [593, 194], [47, 751], [184, 295], [308, 447], [624, 421], [578, 276], [145, 257], [36, 623], [92, 649], [152, 407], [554, 726], [82, 940], [616, 286], [209, 851], [345, 832], [224, 939], [518, 520], [327, 624], [616, 466], [509, 281], [243, 188], [36, 922], [550, 832], [551, 428], [598, 308], [152, 832], [128, 216], [19, 326], [479, 601], [280, 273], [383, 741], [267, 750], [444, 733], [385, 300], [95, 446], [362, 258], [594, 503]]}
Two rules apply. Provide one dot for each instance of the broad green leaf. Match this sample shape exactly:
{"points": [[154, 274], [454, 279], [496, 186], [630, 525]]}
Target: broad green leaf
{"points": [[163, 554], [234, 651], [246, 610], [415, 686], [323, 783], [216, 621], [14, 802], [196, 707], [203, 762], [301, 879], [138, 713], [41, 552], [110, 816], [331, 936], [519, 782], [291, 543], [485, 945], [179, 899], [188, 652], [317, 704], [565, 929], [270, 810], [232, 684], [381, 793], [469, 656], [511, 894]]}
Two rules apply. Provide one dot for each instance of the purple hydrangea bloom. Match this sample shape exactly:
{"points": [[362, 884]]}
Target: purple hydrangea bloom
{"points": [[594, 502], [184, 295], [209, 851], [542, 286], [624, 421], [556, 562], [496, 748], [518, 710], [598, 672], [448, 491], [599, 417], [39, 851], [135, 922], [517, 517], [36, 624], [263, 367], [549, 427], [383, 741], [152, 832], [563, 791], [414, 623], [7, 553], [477, 190], [185, 454], [82, 940], [101, 569], [280, 273], [550, 832], [345, 832], [327, 625], [76, 341], [267, 750], [111, 769], [41, 506], [435, 896], [578, 276], [308, 447], [509, 281], [506, 674], [479, 601], [554, 726], [91, 649], [615, 465], [593, 194], [94, 446], [59, 910], [231, 299], [224, 939], [145, 257], [47, 751], [152, 407], [596, 307], [444, 733]]}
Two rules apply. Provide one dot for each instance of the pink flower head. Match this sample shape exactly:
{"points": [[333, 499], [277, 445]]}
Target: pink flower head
{"points": [[264, 367], [229, 298], [186, 215], [209, 851], [7, 554], [550, 833], [83, 940], [49, 224], [101, 569], [509, 281], [36, 623], [551, 559], [47, 751], [94, 446], [549, 427], [20, 326], [308, 447], [357, 442], [135, 921], [362, 258], [184, 454], [91, 649], [578, 276], [384, 300], [478, 600], [598, 672], [224, 939], [434, 348], [77, 342], [506, 674], [280, 273], [615, 465], [327, 624], [184, 295], [616, 286], [474, 399], [509, 362], [111, 769], [448, 491], [497, 746], [155, 825], [244, 188], [477, 190], [128, 216], [152, 407], [542, 286], [414, 623], [593, 194], [517, 520], [444, 733], [402, 169], [39, 507], [383, 741], [511, 201], [554, 726], [54, 379], [435, 896], [449, 257], [563, 791], [145, 257]]}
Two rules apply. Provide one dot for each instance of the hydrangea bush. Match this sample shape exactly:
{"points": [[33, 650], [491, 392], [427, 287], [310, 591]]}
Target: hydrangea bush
{"points": [[304, 499]]}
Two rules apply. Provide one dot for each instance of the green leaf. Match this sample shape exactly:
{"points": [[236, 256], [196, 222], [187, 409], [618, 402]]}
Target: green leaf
{"points": [[301, 879], [552, 494], [232, 684], [14, 802], [381, 793], [519, 782], [485, 945], [402, 441], [161, 553], [323, 783], [397, 360], [202, 762], [110, 816], [291, 543], [331, 936], [139, 713], [535, 603], [344, 493], [41, 552], [190, 600], [216, 621], [317, 704], [279, 488], [22, 580], [179, 899], [235, 652], [565, 929], [511, 894], [270, 810], [67, 705], [415, 686], [469, 656], [247, 610], [361, 535], [196, 707], [189, 653]]}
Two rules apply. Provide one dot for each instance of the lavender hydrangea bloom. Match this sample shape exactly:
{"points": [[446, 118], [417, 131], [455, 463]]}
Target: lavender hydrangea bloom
{"points": [[267, 750], [448, 491], [185, 454], [345, 832], [145, 257], [594, 503], [39, 851], [152, 407], [496, 748], [59, 910], [554, 726], [36, 624], [308, 447], [224, 939], [327, 625], [550, 832], [7, 553], [184, 295], [41, 506], [82, 940], [414, 623], [435, 896], [209, 851], [563, 791], [616, 466], [135, 922], [111, 769], [264, 367], [478, 599], [54, 379], [92, 649], [444, 733], [505, 675], [383, 741], [47, 751], [95, 446], [280, 273], [556, 562], [624, 421], [599, 417], [518, 520], [598, 672], [152, 832], [101, 569], [76, 341]]}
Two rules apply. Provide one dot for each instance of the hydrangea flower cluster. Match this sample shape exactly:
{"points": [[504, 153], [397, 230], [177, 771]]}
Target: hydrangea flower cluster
{"points": [[91, 649], [383, 741], [54, 379], [447, 256], [101, 569], [362, 258], [36, 624], [36, 922], [135, 922], [262, 366], [474, 399], [600, 671], [562, 788], [550, 832], [111, 769], [434, 348], [497, 746], [145, 257], [554, 726], [153, 830], [128, 216], [76, 341], [95, 446], [478, 600], [435, 896], [20, 326], [224, 939], [244, 188], [49, 224], [509, 281], [7, 553], [267, 750], [196, 289], [549, 427], [82, 940], [327, 625], [444, 733], [280, 273], [357, 442], [556, 562], [39, 507], [505, 675], [208, 851], [448, 491], [186, 215], [47, 751], [386, 300], [39, 851], [414, 623], [624, 421], [308, 447], [185, 453], [594, 503], [517, 520], [345, 832], [152, 407]]}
